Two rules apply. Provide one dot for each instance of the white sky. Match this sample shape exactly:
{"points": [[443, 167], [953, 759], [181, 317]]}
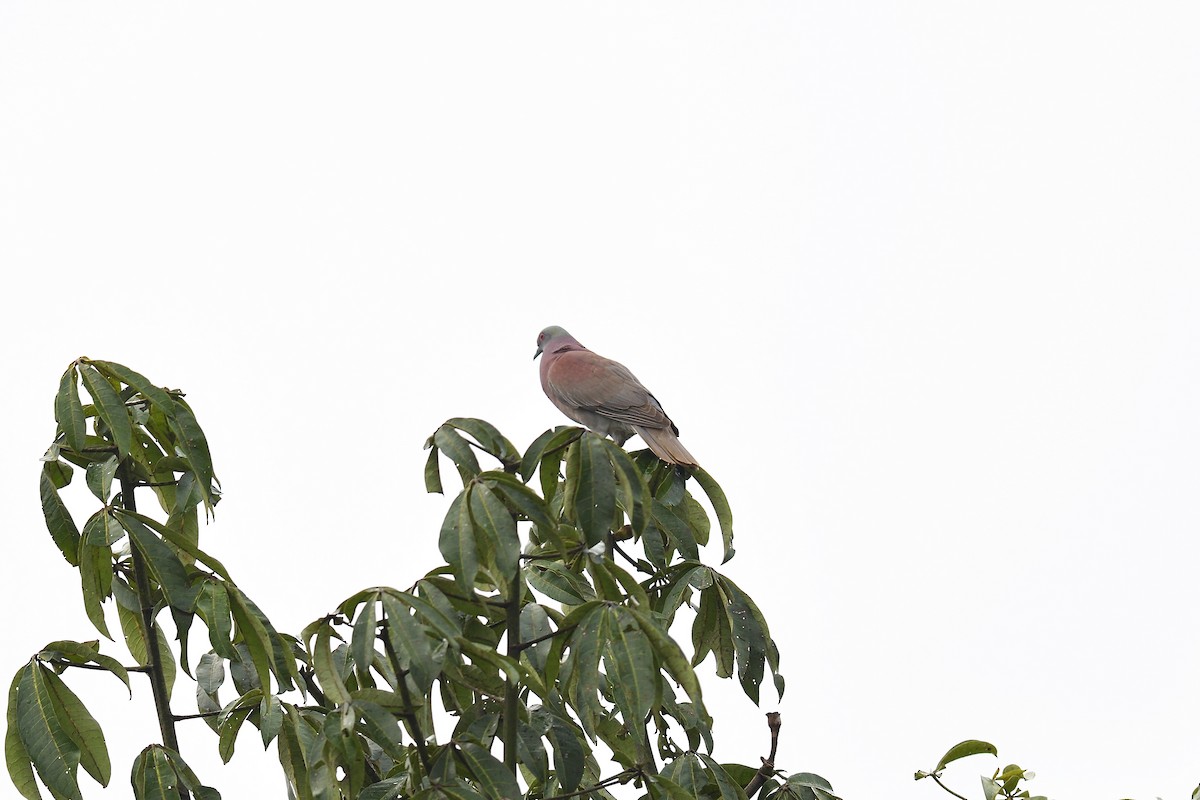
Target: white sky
{"points": [[918, 282]]}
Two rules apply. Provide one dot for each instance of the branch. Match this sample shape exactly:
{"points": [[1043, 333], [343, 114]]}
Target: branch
{"points": [[512, 692], [768, 764], [620, 777], [158, 681], [58, 662]]}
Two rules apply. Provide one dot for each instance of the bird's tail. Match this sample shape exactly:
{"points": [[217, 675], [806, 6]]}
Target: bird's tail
{"points": [[666, 445]]}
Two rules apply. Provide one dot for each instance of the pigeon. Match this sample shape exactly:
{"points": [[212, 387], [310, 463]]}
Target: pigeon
{"points": [[605, 396]]}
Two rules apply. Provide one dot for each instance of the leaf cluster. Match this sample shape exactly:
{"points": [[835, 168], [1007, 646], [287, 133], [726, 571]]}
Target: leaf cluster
{"points": [[546, 634]]}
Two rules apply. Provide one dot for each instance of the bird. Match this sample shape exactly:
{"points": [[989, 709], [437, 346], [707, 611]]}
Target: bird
{"points": [[605, 396]]}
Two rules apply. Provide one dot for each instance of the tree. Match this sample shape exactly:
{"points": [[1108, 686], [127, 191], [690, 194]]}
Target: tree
{"points": [[545, 637]]}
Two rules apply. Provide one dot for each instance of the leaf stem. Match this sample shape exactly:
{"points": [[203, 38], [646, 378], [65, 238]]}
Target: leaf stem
{"points": [[944, 786]]}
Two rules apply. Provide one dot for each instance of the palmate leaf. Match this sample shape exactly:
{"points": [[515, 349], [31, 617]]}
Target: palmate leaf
{"points": [[81, 727], [54, 755]]}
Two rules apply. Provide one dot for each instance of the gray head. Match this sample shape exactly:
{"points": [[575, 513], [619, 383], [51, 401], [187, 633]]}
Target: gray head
{"points": [[552, 334]]}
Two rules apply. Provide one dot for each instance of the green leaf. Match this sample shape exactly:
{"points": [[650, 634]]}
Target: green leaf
{"points": [[970, 747], [154, 777], [96, 573], [110, 408], [16, 757], [252, 633], [54, 755], [750, 644], [165, 567], [410, 643], [595, 498], [728, 787], [84, 653], [68, 410], [456, 448], [675, 526], [99, 476], [60, 472], [189, 779], [58, 521], [322, 657], [630, 667], [362, 639], [381, 728], [82, 728], [661, 787], [721, 506], [688, 772], [558, 583], [535, 624], [180, 540], [493, 778], [569, 752], [492, 518], [548, 448], [190, 439], [672, 658], [433, 472], [489, 439], [456, 541], [523, 500], [137, 381], [212, 604], [634, 491], [270, 715]]}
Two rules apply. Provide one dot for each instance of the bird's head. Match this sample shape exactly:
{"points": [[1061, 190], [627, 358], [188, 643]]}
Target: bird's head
{"points": [[547, 336]]}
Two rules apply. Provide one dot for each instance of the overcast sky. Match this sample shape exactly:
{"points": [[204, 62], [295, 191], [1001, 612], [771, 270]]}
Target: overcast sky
{"points": [[917, 281]]}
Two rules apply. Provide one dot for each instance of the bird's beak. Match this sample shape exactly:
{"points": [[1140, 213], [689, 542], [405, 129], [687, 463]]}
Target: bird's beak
{"points": [[538, 353]]}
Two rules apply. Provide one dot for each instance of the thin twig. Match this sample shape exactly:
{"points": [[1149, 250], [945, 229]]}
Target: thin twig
{"points": [[61, 663], [620, 777], [768, 764], [947, 788], [201, 715], [522, 645]]}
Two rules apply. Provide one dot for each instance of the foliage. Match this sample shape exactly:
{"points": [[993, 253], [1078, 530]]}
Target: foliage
{"points": [[543, 643]]}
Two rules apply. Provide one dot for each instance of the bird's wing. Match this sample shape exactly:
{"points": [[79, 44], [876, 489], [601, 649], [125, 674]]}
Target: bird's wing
{"points": [[598, 384]]}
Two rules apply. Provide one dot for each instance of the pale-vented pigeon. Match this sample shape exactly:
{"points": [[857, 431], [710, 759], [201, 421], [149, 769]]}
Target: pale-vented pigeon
{"points": [[605, 396]]}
